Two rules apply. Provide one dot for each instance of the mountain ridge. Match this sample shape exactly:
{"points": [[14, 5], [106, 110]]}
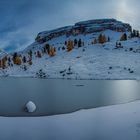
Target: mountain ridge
{"points": [[85, 27]]}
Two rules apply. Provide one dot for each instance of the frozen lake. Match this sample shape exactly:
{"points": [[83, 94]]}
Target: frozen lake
{"points": [[63, 96]]}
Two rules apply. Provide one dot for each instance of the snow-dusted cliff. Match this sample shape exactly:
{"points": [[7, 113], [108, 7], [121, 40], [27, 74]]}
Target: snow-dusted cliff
{"points": [[88, 58], [85, 27]]}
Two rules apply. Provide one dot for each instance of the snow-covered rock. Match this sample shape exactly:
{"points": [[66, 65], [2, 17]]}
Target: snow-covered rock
{"points": [[85, 27], [30, 107]]}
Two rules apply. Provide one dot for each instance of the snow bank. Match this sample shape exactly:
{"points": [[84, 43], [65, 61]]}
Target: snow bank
{"points": [[119, 122]]}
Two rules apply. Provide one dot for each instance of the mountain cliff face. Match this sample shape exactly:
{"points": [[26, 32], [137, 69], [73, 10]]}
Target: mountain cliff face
{"points": [[94, 49], [85, 27]]}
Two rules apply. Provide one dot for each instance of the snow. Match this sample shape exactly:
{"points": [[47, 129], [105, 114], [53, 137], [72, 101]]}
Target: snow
{"points": [[100, 24], [118, 122], [42, 34], [91, 61], [97, 21], [31, 107]]}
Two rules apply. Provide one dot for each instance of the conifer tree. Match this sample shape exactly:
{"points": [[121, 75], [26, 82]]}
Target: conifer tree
{"points": [[39, 54], [102, 39], [30, 61], [75, 42], [44, 49], [95, 41], [108, 39], [63, 48], [52, 51], [3, 63], [24, 59], [17, 60], [123, 37], [0, 63], [138, 34], [79, 43], [9, 61], [30, 53], [134, 33], [14, 57], [66, 43]]}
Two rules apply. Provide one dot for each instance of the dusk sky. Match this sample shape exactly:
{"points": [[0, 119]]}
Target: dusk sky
{"points": [[22, 20]]}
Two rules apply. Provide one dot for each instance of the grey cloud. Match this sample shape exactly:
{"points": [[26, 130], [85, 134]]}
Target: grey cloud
{"points": [[21, 20]]}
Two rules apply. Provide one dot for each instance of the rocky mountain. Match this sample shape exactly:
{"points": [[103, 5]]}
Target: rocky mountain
{"points": [[85, 27], [94, 49]]}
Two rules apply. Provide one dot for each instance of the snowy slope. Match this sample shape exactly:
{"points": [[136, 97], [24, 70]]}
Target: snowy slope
{"points": [[119, 122], [91, 61]]}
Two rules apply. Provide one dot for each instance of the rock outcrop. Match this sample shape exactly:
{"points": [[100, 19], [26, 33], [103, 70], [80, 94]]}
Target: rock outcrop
{"points": [[85, 27]]}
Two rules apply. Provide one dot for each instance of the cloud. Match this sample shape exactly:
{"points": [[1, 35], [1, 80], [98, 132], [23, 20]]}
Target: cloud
{"points": [[127, 11], [21, 20]]}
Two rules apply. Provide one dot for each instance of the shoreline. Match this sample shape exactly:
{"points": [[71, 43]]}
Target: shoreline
{"points": [[80, 79], [69, 113]]}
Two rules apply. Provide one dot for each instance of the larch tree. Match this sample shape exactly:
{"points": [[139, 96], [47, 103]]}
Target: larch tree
{"points": [[70, 45], [102, 39], [123, 37]]}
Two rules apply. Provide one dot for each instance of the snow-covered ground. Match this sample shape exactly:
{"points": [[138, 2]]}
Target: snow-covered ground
{"points": [[118, 122], [91, 61], [88, 62]]}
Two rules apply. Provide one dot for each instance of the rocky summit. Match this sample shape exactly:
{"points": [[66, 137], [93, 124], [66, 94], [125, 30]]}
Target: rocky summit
{"points": [[85, 27]]}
